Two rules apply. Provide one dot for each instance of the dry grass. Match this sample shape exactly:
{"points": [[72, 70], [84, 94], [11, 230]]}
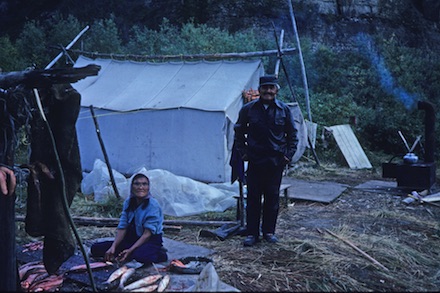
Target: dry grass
{"points": [[404, 239]]}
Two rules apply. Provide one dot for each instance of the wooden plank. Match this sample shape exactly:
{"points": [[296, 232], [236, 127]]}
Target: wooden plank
{"points": [[350, 146], [432, 197]]}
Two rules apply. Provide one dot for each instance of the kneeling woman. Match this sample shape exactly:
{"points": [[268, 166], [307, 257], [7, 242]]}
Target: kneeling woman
{"points": [[139, 232]]}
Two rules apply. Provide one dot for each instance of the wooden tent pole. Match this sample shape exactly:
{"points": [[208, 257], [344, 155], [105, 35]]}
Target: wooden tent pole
{"points": [[303, 70], [107, 161], [293, 94], [282, 64], [280, 46], [67, 48]]}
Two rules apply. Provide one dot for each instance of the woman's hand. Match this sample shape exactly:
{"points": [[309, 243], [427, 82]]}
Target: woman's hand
{"points": [[110, 254], [124, 255]]}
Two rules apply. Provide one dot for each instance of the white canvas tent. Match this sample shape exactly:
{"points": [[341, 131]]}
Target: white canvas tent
{"points": [[176, 116]]}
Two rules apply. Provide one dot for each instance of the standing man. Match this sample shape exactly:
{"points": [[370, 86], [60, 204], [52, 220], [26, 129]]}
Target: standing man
{"points": [[265, 136]]}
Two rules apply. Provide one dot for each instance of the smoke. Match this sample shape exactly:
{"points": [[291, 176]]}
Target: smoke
{"points": [[366, 46]]}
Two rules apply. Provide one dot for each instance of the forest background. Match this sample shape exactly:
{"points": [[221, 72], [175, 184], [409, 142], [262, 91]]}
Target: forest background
{"points": [[366, 61]]}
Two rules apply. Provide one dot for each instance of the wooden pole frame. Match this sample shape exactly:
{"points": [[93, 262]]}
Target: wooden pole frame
{"points": [[293, 94], [107, 161], [287, 51], [303, 69]]}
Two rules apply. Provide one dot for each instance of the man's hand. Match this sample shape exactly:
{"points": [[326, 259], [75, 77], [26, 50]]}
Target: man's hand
{"points": [[8, 181]]}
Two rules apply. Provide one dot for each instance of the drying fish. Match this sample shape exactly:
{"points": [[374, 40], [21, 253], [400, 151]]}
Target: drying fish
{"points": [[177, 263], [150, 288], [38, 245], [163, 283], [28, 268], [93, 265], [25, 267], [32, 263], [116, 274], [34, 277], [51, 284], [143, 282], [128, 273]]}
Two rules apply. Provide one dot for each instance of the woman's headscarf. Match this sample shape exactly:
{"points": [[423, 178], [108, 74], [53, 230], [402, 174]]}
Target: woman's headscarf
{"points": [[133, 204]]}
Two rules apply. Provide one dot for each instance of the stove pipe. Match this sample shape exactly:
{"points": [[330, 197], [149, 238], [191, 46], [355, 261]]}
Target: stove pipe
{"points": [[429, 130]]}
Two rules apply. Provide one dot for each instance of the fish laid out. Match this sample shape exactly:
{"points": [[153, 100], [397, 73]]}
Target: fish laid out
{"points": [[116, 274], [144, 282], [38, 245], [150, 288], [28, 268], [51, 284], [163, 283], [31, 278], [93, 265], [125, 276]]}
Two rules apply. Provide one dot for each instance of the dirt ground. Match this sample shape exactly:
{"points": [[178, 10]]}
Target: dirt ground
{"points": [[365, 240]]}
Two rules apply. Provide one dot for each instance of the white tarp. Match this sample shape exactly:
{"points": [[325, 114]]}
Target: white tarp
{"points": [[178, 196]]}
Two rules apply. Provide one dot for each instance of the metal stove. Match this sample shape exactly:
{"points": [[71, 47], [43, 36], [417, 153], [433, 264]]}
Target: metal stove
{"points": [[412, 173]]}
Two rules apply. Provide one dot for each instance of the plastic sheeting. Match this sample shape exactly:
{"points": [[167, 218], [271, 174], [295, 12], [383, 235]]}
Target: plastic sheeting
{"points": [[179, 196]]}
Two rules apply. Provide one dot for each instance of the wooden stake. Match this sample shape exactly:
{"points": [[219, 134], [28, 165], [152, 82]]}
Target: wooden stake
{"points": [[358, 250]]}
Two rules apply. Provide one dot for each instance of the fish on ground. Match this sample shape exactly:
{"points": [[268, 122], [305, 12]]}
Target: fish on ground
{"points": [[163, 283], [93, 265], [31, 270], [116, 274], [125, 276], [143, 282], [28, 268], [50, 284], [33, 277], [150, 288]]}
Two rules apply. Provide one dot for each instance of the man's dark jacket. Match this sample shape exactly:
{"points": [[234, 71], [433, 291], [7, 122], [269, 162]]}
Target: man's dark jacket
{"points": [[266, 135]]}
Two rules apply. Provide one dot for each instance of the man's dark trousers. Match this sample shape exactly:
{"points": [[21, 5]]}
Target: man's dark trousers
{"points": [[262, 180]]}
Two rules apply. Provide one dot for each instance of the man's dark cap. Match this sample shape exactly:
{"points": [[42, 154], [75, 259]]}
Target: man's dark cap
{"points": [[268, 80]]}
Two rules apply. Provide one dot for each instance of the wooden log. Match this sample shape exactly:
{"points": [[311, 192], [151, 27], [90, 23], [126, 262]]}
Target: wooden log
{"points": [[113, 222], [46, 77], [198, 223], [288, 51]]}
